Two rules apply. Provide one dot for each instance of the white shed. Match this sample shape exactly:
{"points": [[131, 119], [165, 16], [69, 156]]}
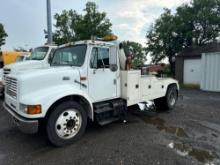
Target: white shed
{"points": [[210, 69], [200, 66]]}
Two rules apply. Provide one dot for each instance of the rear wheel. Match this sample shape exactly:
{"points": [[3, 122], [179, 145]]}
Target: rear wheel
{"points": [[169, 101], [66, 123]]}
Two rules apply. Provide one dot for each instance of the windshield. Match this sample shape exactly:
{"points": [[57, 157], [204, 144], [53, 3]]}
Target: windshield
{"points": [[19, 58], [39, 53], [73, 56]]}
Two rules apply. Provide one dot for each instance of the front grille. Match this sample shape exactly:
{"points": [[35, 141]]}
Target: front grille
{"points": [[11, 86], [6, 71]]}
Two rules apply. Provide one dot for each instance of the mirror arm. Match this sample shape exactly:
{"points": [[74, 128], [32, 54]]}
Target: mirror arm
{"points": [[103, 65]]}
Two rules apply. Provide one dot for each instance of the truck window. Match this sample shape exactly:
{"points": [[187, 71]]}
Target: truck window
{"points": [[39, 53], [20, 58], [73, 56], [113, 56], [99, 58]]}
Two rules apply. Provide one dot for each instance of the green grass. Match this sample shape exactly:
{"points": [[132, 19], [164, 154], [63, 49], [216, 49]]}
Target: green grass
{"points": [[190, 86]]}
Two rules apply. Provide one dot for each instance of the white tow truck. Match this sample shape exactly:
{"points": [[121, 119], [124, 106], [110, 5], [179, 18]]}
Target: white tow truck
{"points": [[22, 58], [85, 80], [39, 58]]}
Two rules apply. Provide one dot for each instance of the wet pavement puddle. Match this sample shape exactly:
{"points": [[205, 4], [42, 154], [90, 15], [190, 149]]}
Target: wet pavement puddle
{"points": [[160, 125], [203, 156]]}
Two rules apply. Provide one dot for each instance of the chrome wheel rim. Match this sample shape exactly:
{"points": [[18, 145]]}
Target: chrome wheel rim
{"points": [[68, 124]]}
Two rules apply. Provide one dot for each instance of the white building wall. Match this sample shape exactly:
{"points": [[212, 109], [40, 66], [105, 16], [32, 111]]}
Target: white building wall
{"points": [[210, 70]]}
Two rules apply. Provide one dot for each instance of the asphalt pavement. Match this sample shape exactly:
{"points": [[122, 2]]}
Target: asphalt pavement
{"points": [[190, 134]]}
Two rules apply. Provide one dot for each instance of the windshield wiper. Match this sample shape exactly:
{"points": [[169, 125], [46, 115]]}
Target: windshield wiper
{"points": [[35, 59]]}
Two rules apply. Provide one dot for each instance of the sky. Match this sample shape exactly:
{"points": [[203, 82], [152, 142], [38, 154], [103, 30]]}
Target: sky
{"points": [[25, 20]]}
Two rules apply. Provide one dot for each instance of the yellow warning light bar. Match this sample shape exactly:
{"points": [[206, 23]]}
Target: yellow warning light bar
{"points": [[110, 37]]}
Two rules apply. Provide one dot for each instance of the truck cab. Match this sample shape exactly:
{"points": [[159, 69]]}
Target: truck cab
{"points": [[39, 58], [85, 80], [7, 58], [24, 57]]}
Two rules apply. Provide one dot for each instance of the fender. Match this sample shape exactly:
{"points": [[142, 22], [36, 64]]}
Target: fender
{"points": [[172, 81], [46, 97]]}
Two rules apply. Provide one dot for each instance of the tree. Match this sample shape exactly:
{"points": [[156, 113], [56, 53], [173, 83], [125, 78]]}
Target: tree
{"points": [[199, 22], [71, 26], [138, 54], [3, 35], [94, 23], [162, 40], [194, 24], [66, 26]]}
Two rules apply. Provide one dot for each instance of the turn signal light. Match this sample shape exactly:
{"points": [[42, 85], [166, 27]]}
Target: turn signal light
{"points": [[33, 109], [83, 78]]}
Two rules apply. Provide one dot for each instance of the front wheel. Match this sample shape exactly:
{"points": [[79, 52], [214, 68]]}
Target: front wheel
{"points": [[66, 123]]}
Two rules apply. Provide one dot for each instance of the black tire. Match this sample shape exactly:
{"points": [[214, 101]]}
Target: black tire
{"points": [[2, 94], [59, 112], [165, 103]]}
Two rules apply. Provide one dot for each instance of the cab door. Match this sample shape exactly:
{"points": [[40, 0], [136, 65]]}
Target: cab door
{"points": [[102, 80]]}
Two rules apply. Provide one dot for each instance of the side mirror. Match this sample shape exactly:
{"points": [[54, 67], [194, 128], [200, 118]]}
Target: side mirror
{"points": [[94, 62], [113, 67], [50, 59]]}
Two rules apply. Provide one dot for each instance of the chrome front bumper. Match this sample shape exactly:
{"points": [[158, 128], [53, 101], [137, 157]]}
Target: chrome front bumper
{"points": [[28, 126]]}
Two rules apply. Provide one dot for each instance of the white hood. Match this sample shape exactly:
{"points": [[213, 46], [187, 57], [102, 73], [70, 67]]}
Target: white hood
{"points": [[37, 79], [30, 64]]}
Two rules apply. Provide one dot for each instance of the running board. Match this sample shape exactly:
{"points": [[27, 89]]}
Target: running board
{"points": [[108, 120]]}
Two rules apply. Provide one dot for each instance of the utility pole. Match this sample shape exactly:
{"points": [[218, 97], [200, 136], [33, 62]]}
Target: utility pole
{"points": [[49, 23]]}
